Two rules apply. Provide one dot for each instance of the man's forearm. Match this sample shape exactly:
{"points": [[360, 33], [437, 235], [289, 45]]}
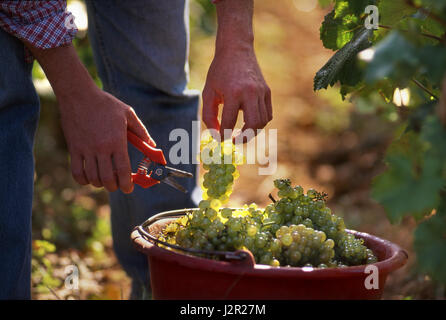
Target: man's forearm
{"points": [[235, 24], [234, 79], [64, 70]]}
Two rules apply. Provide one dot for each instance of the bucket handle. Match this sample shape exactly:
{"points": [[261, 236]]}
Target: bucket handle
{"points": [[239, 255]]}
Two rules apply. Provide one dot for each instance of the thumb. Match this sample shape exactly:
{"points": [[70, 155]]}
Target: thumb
{"points": [[135, 125]]}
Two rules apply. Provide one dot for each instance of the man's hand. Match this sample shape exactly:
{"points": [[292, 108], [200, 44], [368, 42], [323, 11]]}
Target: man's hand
{"points": [[95, 126], [94, 122], [234, 78]]}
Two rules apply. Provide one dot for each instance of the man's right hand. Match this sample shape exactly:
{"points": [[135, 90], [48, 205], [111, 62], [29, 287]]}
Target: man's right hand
{"points": [[95, 127], [94, 122]]}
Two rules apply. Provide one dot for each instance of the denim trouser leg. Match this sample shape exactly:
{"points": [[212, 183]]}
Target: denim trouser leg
{"points": [[19, 114], [141, 49]]}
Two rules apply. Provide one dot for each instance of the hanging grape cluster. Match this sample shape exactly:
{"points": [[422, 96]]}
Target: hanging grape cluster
{"points": [[297, 230], [220, 161]]}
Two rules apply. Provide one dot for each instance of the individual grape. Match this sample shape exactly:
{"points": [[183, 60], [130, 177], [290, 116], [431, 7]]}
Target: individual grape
{"points": [[251, 230], [329, 243], [287, 239], [308, 223], [295, 256], [211, 214], [311, 193], [226, 213], [276, 246], [215, 204], [275, 263], [204, 204], [266, 258]]}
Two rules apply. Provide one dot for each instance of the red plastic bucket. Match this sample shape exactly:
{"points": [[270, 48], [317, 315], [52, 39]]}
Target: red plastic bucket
{"points": [[180, 276]]}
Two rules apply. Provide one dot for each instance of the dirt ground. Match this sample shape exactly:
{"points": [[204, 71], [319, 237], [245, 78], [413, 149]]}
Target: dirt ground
{"points": [[322, 143]]}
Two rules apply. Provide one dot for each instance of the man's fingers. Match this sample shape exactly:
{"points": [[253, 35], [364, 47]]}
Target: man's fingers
{"points": [[210, 109], [269, 105], [137, 127], [263, 112], [77, 169], [123, 170], [91, 171], [252, 113], [252, 118], [106, 173], [229, 115]]}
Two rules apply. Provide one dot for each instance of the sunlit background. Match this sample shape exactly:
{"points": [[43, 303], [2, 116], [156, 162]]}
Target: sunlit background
{"points": [[323, 142]]}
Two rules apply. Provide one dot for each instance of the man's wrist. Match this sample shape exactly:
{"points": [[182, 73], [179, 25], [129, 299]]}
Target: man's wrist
{"points": [[235, 25], [66, 73]]}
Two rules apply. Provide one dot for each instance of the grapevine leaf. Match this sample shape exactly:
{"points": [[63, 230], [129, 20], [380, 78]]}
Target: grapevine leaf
{"points": [[430, 26], [430, 246], [412, 182], [419, 115], [391, 12], [342, 24], [338, 68], [433, 63], [334, 34], [394, 58], [355, 7], [434, 133]]}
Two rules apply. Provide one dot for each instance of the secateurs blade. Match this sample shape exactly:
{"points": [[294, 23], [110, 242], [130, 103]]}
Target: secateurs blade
{"points": [[152, 169]]}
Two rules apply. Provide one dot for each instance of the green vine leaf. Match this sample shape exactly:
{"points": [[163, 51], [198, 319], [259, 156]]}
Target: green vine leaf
{"points": [[430, 246], [338, 67], [391, 12], [396, 58], [413, 181], [344, 22]]}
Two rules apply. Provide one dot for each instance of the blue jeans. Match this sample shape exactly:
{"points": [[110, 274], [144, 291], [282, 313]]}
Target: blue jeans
{"points": [[19, 114], [141, 50]]}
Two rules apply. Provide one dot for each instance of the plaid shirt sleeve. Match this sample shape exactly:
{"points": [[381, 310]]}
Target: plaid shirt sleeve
{"points": [[43, 24]]}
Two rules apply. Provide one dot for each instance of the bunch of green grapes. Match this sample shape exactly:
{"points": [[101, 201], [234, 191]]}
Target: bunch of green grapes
{"points": [[309, 209], [220, 160], [303, 246], [212, 230]]}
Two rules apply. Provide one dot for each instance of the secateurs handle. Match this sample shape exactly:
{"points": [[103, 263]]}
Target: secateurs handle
{"points": [[142, 177], [155, 155], [152, 169]]}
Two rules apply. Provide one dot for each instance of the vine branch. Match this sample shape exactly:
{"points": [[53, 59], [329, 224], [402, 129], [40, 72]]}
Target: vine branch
{"points": [[421, 86], [422, 33]]}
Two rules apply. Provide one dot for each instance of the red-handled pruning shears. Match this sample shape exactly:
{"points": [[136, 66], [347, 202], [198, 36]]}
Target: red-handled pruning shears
{"points": [[152, 169]]}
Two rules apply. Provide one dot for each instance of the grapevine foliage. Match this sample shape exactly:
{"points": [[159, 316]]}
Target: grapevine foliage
{"points": [[409, 52]]}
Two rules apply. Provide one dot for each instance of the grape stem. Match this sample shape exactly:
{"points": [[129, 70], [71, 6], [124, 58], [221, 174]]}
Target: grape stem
{"points": [[272, 198], [421, 86]]}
